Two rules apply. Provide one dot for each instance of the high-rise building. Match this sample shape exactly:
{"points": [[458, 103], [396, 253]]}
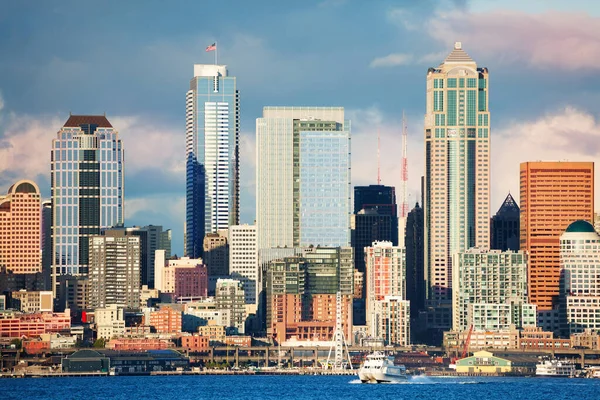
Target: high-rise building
{"points": [[212, 154], [301, 294], [243, 259], [216, 257], [47, 243], [303, 177], [166, 270], [490, 290], [114, 270], [504, 226], [579, 285], [229, 295], [415, 278], [86, 178], [386, 282], [385, 274], [20, 220], [152, 238], [391, 321], [457, 173], [379, 197], [553, 195]]}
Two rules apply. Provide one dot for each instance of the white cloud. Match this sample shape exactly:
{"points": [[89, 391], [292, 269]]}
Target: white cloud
{"points": [[392, 60], [567, 134], [1, 102]]}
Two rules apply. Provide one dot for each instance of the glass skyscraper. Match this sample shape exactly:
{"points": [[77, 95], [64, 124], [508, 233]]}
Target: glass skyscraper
{"points": [[457, 172], [87, 190], [212, 155], [303, 177]]}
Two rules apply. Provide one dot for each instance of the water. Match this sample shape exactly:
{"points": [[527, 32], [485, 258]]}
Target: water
{"points": [[297, 388]]}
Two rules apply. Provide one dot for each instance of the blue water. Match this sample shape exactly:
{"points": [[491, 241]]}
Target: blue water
{"points": [[297, 388]]}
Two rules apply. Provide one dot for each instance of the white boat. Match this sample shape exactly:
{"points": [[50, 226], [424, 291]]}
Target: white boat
{"points": [[555, 368], [379, 368]]}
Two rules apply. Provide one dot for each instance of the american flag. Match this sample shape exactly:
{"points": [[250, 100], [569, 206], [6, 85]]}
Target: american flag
{"points": [[212, 47]]}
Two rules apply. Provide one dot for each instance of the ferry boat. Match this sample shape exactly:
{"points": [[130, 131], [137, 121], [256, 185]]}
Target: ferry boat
{"points": [[555, 368], [379, 368]]}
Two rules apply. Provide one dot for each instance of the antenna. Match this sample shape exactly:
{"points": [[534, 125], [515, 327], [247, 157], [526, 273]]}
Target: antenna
{"points": [[404, 206], [378, 158]]}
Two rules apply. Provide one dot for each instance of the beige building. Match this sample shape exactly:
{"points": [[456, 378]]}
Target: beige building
{"points": [[392, 321], [214, 332], [32, 302], [165, 273], [20, 228], [110, 322], [457, 174]]}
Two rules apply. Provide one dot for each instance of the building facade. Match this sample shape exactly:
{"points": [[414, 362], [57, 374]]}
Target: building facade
{"points": [[243, 259], [553, 195], [20, 220], [579, 285], [230, 296], [490, 291], [32, 302], [415, 272], [212, 154], [301, 294], [391, 321], [303, 177], [114, 270], [457, 173], [87, 187]]}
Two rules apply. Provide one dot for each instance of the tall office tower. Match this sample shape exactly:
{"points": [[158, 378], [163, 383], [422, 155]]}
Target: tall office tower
{"points": [[87, 190], [385, 276], [303, 177], [301, 294], [457, 173], [504, 226], [229, 295], [553, 195], [579, 285], [114, 270], [415, 278], [212, 154], [47, 243], [490, 290], [20, 220], [152, 238], [375, 219], [243, 259]]}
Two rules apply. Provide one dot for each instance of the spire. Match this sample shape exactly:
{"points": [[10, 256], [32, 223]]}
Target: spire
{"points": [[508, 206]]}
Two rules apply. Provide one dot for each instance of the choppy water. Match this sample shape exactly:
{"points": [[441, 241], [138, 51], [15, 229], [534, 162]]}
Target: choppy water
{"points": [[297, 388]]}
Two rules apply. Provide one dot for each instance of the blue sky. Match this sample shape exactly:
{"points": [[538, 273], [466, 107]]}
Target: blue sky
{"points": [[133, 60]]}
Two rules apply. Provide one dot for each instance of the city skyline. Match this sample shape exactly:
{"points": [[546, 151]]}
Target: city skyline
{"points": [[269, 75]]}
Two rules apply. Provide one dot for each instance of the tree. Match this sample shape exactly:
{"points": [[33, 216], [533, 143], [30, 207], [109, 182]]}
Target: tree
{"points": [[99, 343]]}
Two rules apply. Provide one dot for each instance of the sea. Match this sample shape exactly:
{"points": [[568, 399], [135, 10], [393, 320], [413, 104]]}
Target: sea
{"points": [[297, 388]]}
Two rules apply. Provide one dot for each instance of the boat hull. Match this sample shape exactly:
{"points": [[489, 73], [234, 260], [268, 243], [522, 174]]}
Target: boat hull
{"points": [[380, 377]]}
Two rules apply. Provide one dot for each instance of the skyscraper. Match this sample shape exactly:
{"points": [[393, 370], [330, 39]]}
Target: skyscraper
{"points": [[415, 279], [114, 269], [505, 226], [20, 220], [212, 154], [243, 259], [47, 244], [152, 238], [553, 195], [86, 188], [457, 172], [303, 177]]}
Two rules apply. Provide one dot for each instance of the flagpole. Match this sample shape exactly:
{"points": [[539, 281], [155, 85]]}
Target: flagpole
{"points": [[216, 53]]}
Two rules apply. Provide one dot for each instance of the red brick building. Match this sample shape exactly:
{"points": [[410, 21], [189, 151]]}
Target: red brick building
{"points": [[165, 320], [139, 344], [17, 325], [191, 282], [194, 343]]}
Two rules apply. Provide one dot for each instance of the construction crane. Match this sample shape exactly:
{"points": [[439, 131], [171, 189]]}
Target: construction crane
{"points": [[467, 341]]}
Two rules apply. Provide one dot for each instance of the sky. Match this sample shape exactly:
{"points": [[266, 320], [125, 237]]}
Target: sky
{"points": [[133, 61]]}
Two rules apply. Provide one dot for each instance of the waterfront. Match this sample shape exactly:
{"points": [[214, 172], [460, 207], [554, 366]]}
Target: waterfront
{"points": [[296, 387]]}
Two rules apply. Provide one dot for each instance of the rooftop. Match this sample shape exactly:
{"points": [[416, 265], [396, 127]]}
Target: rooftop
{"points": [[458, 55], [78, 120]]}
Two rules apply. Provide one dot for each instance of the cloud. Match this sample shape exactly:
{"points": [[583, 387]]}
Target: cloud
{"points": [[1, 102], [567, 134], [392, 60], [562, 40]]}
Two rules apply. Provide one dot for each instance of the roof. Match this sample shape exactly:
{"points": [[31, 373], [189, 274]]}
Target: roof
{"points": [[580, 226], [458, 55], [78, 120], [509, 206], [85, 354]]}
